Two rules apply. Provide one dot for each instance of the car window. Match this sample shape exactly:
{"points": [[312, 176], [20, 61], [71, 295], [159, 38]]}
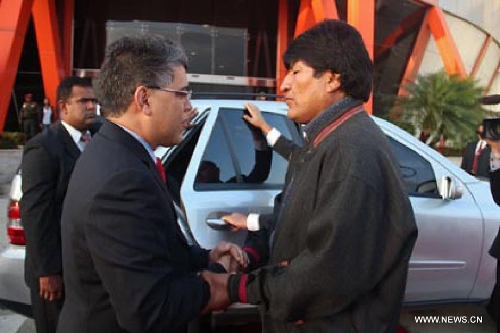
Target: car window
{"points": [[417, 172], [233, 160]]}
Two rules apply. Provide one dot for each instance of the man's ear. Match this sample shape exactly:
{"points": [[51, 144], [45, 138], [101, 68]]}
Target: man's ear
{"points": [[333, 82], [62, 107], [141, 99]]}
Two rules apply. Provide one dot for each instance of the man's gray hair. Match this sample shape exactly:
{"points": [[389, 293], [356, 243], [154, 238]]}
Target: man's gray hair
{"points": [[133, 61]]}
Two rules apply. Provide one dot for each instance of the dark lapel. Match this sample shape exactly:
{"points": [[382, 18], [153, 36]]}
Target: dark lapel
{"points": [[116, 133]]}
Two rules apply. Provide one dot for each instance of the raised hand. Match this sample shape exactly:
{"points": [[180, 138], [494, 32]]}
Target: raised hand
{"points": [[255, 118]]}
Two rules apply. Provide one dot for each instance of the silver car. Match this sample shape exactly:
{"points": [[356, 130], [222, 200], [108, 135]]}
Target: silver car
{"points": [[456, 215]]}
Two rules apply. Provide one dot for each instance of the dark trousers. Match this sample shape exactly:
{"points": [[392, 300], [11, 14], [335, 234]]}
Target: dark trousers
{"points": [[493, 307], [30, 128], [45, 313]]}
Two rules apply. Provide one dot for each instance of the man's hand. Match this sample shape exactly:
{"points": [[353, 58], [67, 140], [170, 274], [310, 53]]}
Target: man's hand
{"points": [[234, 251], [232, 266], [219, 298], [256, 119], [188, 118], [236, 220], [51, 287]]}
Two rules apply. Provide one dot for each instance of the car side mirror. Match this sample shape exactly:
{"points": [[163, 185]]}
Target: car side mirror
{"points": [[449, 188]]}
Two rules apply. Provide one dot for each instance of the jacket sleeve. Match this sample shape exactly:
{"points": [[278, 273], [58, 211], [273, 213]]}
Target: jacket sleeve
{"points": [[466, 158], [261, 168], [199, 258], [495, 185], [495, 192], [355, 244], [38, 209], [139, 258], [285, 147], [257, 242]]}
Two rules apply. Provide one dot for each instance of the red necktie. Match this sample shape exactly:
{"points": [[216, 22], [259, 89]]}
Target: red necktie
{"points": [[161, 170], [85, 138], [475, 163]]}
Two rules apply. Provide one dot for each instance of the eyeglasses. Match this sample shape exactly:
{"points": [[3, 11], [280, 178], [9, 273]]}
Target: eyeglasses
{"points": [[178, 93]]}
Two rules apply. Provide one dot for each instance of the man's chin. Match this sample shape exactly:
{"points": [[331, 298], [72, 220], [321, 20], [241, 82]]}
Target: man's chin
{"points": [[293, 115], [172, 142]]}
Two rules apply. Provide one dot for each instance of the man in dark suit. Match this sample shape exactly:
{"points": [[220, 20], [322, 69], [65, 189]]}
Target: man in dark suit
{"points": [[494, 305], [127, 265], [476, 159], [47, 163]]}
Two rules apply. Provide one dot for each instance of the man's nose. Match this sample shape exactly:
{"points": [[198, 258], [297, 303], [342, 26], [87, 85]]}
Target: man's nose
{"points": [[91, 106], [285, 85]]}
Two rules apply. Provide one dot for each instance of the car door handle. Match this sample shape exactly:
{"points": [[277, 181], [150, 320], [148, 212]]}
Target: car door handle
{"points": [[214, 220]]}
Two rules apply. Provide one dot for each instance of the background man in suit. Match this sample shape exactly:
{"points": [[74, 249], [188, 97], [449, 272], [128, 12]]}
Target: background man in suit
{"points": [[127, 265], [476, 159], [47, 163], [345, 229]]}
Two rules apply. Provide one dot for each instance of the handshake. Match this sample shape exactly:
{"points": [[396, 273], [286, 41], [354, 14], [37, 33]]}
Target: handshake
{"points": [[234, 260]]}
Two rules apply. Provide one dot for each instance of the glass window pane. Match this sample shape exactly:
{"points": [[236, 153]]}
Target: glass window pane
{"points": [[417, 172], [234, 158]]}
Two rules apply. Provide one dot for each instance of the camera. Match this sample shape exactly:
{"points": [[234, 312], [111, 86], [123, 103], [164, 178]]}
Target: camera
{"points": [[491, 129]]}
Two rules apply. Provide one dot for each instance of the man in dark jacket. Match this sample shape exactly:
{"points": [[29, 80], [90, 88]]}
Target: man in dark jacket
{"points": [[48, 161], [476, 159], [345, 229], [127, 265]]}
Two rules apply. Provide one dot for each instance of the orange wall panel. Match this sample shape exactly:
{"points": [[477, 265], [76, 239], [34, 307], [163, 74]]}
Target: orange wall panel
{"points": [[361, 14], [312, 12], [14, 18], [444, 41], [49, 46], [416, 57], [283, 40]]}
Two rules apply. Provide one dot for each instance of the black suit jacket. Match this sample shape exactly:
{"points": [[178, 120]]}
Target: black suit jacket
{"points": [[127, 266], [495, 192], [483, 166], [47, 163]]}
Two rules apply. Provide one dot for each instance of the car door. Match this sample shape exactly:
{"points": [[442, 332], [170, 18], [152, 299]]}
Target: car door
{"points": [[448, 250], [224, 173]]}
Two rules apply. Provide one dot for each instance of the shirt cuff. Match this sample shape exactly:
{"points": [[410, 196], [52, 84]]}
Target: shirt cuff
{"points": [[272, 137], [494, 161], [253, 222]]}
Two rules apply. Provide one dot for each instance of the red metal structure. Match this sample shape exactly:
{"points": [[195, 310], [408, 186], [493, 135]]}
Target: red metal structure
{"points": [[53, 22], [14, 18]]}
